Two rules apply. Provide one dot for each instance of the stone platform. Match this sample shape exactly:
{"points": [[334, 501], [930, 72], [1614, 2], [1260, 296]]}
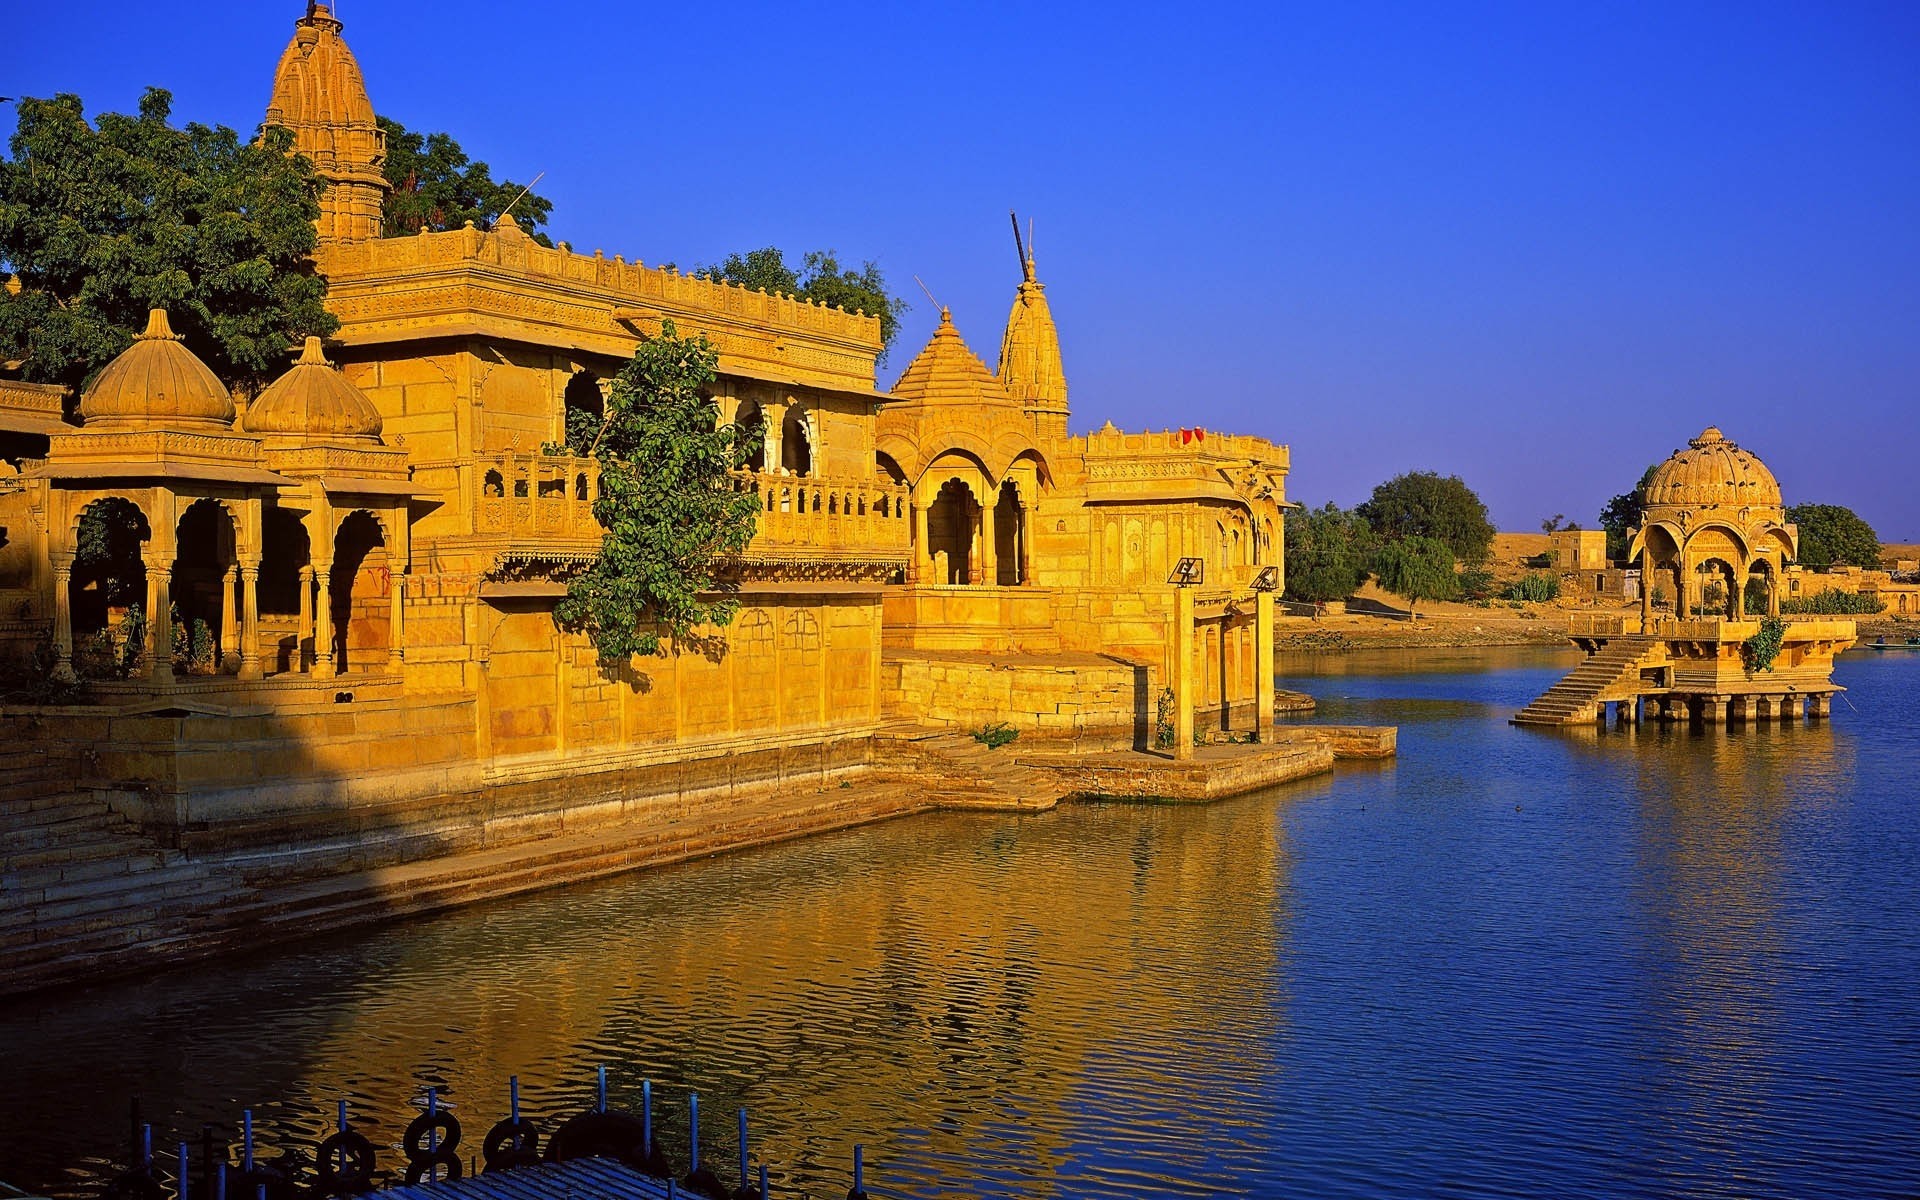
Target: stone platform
{"points": [[1213, 773]]}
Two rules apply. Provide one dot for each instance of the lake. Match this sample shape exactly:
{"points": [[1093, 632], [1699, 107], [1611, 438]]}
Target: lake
{"points": [[1652, 963]]}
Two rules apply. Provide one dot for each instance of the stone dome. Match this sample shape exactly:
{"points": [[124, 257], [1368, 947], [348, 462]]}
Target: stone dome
{"points": [[156, 381], [1711, 471], [947, 372], [313, 400]]}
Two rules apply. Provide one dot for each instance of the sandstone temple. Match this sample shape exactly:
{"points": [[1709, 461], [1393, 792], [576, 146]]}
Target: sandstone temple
{"points": [[321, 617]]}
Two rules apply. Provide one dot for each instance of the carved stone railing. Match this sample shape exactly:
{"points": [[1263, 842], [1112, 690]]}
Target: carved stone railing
{"points": [[822, 519], [536, 495]]}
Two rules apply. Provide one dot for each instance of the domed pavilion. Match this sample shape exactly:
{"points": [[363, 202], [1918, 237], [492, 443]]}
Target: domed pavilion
{"points": [[1713, 513]]}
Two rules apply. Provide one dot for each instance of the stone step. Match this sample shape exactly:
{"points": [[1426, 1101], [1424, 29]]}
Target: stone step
{"points": [[133, 893], [87, 848], [69, 829]]}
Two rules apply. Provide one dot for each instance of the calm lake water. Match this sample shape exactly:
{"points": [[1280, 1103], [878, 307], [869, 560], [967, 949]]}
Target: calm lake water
{"points": [[1512, 963]]}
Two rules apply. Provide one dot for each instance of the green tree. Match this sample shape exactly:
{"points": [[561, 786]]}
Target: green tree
{"points": [[1832, 534], [1419, 568], [1622, 515], [668, 508], [820, 279], [436, 187], [1425, 504], [1326, 554], [102, 222]]}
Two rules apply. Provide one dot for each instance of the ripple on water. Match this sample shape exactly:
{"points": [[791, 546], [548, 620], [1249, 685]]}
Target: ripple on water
{"points": [[1641, 963]]}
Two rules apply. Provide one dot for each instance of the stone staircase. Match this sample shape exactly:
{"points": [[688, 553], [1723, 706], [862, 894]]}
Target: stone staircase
{"points": [[77, 879], [1571, 701], [956, 771]]}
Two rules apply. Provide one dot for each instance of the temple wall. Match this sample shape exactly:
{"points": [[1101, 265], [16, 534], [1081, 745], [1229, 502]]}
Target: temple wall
{"points": [[417, 396]]}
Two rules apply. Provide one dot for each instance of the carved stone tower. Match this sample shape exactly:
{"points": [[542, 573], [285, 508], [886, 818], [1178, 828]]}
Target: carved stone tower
{"points": [[1030, 368], [319, 96]]}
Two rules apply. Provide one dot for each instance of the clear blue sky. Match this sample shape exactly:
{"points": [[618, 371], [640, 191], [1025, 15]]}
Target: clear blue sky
{"points": [[1539, 245]]}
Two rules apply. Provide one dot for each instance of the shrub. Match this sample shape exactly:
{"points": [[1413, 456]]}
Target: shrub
{"points": [[1535, 587], [996, 735], [1835, 603], [1163, 734], [1763, 647]]}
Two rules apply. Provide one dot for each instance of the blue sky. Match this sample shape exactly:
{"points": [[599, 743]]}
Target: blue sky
{"points": [[1536, 245]]}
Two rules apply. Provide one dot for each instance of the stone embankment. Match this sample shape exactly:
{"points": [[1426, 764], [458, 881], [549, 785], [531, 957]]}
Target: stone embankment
{"points": [[85, 894]]}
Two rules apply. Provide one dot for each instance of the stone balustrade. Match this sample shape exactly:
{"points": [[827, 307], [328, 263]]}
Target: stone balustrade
{"points": [[536, 495], [827, 517]]}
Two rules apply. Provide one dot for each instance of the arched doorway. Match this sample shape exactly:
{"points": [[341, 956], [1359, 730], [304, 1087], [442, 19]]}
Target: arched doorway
{"points": [[361, 594], [107, 594], [750, 417], [585, 410], [951, 522], [1719, 584], [205, 572], [286, 591], [1762, 590], [796, 448], [1009, 537]]}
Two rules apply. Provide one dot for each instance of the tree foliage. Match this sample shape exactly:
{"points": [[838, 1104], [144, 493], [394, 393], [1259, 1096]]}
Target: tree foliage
{"points": [[1622, 514], [101, 222], [1833, 534], [1424, 504], [1326, 554], [436, 187], [1419, 568], [667, 505], [820, 279]]}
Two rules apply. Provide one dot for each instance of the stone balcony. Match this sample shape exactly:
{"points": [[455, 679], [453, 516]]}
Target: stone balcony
{"points": [[543, 504]]}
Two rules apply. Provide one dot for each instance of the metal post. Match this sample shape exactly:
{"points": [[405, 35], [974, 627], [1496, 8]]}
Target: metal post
{"points": [[859, 1166], [601, 1105], [246, 1140], [513, 1098], [693, 1132], [646, 1117], [433, 1136], [763, 1181], [744, 1173], [146, 1146], [182, 1189]]}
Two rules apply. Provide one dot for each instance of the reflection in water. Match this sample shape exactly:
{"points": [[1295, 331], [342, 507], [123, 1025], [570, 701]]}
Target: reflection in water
{"points": [[1647, 962]]}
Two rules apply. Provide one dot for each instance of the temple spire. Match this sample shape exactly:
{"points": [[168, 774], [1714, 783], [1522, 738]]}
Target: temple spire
{"points": [[1030, 368], [320, 97]]}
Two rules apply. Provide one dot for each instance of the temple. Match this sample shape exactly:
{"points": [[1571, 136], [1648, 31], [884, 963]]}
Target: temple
{"points": [[1713, 532], [320, 618]]}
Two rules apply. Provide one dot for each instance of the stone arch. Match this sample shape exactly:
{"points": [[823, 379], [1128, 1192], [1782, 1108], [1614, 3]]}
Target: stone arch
{"points": [[1716, 569], [797, 442], [109, 582], [888, 467], [493, 485], [583, 408], [953, 517], [205, 572], [286, 588], [361, 592]]}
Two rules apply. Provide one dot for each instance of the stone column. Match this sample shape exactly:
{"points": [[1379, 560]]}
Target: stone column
{"points": [[250, 665], [922, 552], [160, 622], [323, 621], [229, 625], [1817, 705], [63, 616], [1716, 710], [1680, 590], [1263, 666], [1646, 591], [396, 624], [304, 639], [1739, 598], [988, 565], [1773, 594], [1183, 672]]}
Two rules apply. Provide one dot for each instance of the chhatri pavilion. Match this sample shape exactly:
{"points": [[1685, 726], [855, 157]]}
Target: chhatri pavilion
{"points": [[329, 606], [1713, 525]]}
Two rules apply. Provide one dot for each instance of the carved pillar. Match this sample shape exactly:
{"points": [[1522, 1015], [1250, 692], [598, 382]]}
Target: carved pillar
{"points": [[323, 621], [1680, 584], [63, 617], [250, 666], [304, 645], [160, 622], [1263, 666], [1739, 598], [922, 551], [396, 624], [229, 624], [1646, 591], [1817, 706], [1183, 672], [1773, 593], [984, 567]]}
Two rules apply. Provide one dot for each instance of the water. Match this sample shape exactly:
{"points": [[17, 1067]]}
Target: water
{"points": [[1512, 963]]}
